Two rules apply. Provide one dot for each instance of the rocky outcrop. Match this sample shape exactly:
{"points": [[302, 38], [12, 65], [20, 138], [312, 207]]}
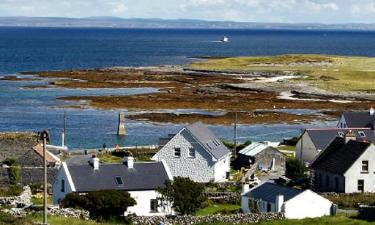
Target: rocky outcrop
{"points": [[188, 220], [24, 199]]}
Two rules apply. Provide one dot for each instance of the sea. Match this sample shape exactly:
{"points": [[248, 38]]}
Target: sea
{"points": [[40, 49]]}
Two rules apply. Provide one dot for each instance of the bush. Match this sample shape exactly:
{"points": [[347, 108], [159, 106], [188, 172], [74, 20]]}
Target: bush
{"points": [[102, 205], [36, 188], [350, 200], [295, 170], [6, 219], [187, 196], [9, 161], [13, 190], [14, 175]]}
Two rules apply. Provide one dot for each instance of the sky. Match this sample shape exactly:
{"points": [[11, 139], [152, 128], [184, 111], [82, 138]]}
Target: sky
{"points": [[281, 11]]}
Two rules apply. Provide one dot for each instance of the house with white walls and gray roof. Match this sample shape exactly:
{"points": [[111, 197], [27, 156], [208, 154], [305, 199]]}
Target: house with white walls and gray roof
{"points": [[357, 119], [196, 153], [313, 141], [294, 203], [140, 179]]}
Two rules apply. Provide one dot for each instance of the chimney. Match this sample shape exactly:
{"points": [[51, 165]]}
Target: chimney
{"points": [[372, 111], [279, 201], [350, 136], [129, 160], [94, 162], [245, 188]]}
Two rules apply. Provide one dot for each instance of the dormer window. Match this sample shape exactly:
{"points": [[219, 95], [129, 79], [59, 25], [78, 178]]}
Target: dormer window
{"points": [[365, 166], [191, 152], [119, 181], [361, 134], [177, 152], [341, 134]]}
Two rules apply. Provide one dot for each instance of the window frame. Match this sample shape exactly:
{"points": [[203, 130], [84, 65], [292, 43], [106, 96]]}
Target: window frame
{"points": [[361, 134], [361, 183], [365, 163], [153, 205], [117, 179], [191, 150], [175, 151], [62, 185]]}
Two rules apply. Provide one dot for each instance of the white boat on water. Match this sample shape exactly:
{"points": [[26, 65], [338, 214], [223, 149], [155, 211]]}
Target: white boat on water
{"points": [[225, 39]]}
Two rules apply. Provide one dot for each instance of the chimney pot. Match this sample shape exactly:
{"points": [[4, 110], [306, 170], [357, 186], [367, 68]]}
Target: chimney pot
{"points": [[372, 111], [129, 160], [350, 136], [94, 162]]}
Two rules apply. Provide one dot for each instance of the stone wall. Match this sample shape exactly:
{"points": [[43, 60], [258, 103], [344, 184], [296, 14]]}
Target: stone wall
{"points": [[29, 175], [24, 199], [15, 144], [62, 212], [367, 212], [224, 197], [188, 220]]}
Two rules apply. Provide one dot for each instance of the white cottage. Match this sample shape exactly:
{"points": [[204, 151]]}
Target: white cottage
{"points": [[346, 166], [294, 203], [140, 179], [196, 153], [313, 141], [357, 119]]}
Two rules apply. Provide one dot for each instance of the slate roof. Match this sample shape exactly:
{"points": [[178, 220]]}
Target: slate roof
{"points": [[359, 119], [144, 176], [339, 156], [268, 192], [323, 137], [208, 140], [253, 149]]}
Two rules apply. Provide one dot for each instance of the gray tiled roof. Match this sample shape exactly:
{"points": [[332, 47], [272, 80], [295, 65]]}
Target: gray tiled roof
{"points": [[339, 156], [144, 176], [359, 119], [208, 140], [268, 192], [322, 137]]}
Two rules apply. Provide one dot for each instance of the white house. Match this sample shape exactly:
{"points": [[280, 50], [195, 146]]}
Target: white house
{"points": [[140, 179], [196, 153], [313, 141], [357, 119], [294, 203], [346, 166]]}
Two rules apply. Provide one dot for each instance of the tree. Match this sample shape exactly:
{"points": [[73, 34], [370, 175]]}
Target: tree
{"points": [[186, 195], [295, 169], [104, 204], [14, 173]]}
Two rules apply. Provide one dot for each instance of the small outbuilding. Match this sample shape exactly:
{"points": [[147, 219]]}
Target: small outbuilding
{"points": [[294, 203]]}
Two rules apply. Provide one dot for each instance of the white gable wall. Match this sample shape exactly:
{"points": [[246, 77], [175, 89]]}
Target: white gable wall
{"points": [[306, 151], [201, 168], [342, 123], [222, 167], [63, 174], [355, 173], [308, 204]]}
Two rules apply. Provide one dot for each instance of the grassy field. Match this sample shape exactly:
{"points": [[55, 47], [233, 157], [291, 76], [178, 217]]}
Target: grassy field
{"points": [[217, 208], [54, 220], [334, 73]]}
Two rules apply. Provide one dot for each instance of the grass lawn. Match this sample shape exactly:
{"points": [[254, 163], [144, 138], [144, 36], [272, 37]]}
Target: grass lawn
{"points": [[217, 208], [54, 220], [334, 73], [287, 147]]}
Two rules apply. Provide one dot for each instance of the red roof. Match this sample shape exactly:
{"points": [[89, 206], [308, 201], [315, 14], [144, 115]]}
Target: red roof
{"points": [[38, 148]]}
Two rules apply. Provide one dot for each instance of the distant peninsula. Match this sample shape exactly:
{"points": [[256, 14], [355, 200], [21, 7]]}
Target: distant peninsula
{"points": [[116, 22]]}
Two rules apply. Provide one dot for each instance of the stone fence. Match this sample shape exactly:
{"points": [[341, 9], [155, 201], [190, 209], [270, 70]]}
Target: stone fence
{"points": [[188, 220], [24, 199], [224, 197], [53, 211]]}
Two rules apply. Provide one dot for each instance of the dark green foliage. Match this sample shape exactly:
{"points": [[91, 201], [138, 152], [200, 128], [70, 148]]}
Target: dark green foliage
{"points": [[6, 219], [239, 147], [9, 161], [102, 205], [187, 196], [14, 173], [36, 188], [295, 169], [13, 190], [351, 200]]}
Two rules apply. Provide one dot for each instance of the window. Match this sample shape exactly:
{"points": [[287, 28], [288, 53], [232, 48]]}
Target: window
{"points": [[361, 134], [62, 185], [191, 152], [119, 181], [268, 207], [327, 181], [177, 152], [341, 134], [365, 166], [361, 185], [154, 205], [337, 184]]}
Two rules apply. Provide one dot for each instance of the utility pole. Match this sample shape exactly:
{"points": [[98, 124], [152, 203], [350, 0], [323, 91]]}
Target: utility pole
{"points": [[121, 131], [235, 135], [44, 137], [64, 131]]}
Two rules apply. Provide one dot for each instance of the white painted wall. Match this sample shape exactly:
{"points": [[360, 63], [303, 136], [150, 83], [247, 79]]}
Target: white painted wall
{"points": [[143, 206], [201, 168], [355, 173], [308, 204], [245, 204], [56, 187], [342, 123], [221, 168], [306, 151]]}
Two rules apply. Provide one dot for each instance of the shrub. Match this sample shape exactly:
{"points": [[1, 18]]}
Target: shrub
{"points": [[13, 190], [14, 175], [9, 161], [295, 169], [10, 220], [187, 196], [102, 205]]}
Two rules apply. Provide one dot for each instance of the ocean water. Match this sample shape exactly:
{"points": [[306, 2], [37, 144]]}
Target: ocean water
{"points": [[36, 49]]}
